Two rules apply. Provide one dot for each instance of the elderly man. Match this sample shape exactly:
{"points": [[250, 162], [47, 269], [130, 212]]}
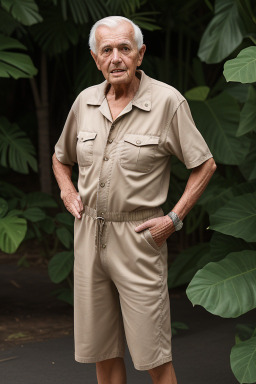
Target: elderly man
{"points": [[122, 133]]}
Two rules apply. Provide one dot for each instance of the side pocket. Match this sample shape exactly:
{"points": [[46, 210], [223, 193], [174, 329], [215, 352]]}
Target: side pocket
{"points": [[149, 239]]}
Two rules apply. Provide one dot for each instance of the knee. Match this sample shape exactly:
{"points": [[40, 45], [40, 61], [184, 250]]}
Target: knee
{"points": [[157, 372], [105, 367]]}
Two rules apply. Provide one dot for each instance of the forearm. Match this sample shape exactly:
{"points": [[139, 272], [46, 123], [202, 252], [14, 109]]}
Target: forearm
{"points": [[63, 173], [69, 194], [197, 182]]}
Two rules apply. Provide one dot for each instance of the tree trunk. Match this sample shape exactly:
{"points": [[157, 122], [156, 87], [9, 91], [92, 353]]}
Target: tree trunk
{"points": [[42, 113]]}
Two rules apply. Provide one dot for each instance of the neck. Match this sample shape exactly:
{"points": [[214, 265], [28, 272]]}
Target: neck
{"points": [[118, 91]]}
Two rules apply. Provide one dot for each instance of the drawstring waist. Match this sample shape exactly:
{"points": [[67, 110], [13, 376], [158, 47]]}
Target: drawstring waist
{"points": [[143, 214]]}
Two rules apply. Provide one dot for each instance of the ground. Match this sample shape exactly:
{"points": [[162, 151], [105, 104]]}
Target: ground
{"points": [[29, 310]]}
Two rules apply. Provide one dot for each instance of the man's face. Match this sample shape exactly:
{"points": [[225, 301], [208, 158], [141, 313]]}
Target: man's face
{"points": [[117, 53]]}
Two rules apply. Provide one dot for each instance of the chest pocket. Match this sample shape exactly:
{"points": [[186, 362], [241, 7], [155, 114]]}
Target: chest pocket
{"points": [[84, 147], [138, 152]]}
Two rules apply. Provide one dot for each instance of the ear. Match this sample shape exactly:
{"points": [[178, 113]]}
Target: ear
{"points": [[95, 58], [141, 54]]}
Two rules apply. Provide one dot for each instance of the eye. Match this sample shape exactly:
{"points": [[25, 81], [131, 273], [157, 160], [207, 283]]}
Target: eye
{"points": [[106, 50], [126, 49]]}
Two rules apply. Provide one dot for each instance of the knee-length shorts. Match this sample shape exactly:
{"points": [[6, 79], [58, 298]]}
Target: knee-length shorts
{"points": [[120, 291]]}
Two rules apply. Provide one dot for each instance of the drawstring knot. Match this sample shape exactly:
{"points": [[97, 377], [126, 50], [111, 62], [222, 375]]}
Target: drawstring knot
{"points": [[99, 229]]}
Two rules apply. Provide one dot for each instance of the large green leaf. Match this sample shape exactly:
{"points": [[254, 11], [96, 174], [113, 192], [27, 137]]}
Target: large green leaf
{"points": [[223, 34], [217, 193], [237, 218], [25, 11], [14, 64], [243, 67], [226, 288], [60, 266], [248, 114], [220, 190], [12, 232], [65, 236], [16, 149], [34, 214], [218, 119], [238, 90], [242, 360], [221, 245], [185, 265], [197, 93]]}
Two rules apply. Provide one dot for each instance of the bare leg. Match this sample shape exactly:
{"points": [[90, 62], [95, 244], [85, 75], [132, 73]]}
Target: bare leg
{"points": [[163, 374], [111, 371]]}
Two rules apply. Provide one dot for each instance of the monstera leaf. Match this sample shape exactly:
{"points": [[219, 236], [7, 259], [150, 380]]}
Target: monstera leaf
{"points": [[16, 149], [12, 231], [13, 64], [226, 288]]}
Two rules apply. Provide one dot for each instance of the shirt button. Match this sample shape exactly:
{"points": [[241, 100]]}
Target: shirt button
{"points": [[103, 245], [102, 185], [102, 213], [138, 142], [106, 158], [110, 141], [146, 104]]}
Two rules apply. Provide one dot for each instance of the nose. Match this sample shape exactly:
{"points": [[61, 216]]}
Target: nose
{"points": [[115, 56]]}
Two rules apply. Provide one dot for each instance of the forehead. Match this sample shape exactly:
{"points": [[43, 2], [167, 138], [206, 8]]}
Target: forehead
{"points": [[121, 33]]}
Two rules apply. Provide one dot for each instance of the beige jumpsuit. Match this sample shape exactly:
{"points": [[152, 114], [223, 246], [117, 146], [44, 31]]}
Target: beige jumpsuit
{"points": [[120, 276]]}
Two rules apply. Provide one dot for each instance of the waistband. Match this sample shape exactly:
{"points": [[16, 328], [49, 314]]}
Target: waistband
{"points": [[124, 216]]}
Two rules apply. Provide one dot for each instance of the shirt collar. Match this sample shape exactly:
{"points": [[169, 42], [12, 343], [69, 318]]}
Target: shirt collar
{"points": [[142, 98]]}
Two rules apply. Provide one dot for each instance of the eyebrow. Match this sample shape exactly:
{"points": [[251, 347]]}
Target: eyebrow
{"points": [[120, 44]]}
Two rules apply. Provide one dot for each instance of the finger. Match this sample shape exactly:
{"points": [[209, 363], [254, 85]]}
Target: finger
{"points": [[76, 213], [76, 205], [81, 206], [142, 226], [72, 209]]}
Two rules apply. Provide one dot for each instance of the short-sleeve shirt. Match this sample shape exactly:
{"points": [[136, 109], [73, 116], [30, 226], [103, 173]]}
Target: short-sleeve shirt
{"points": [[125, 164]]}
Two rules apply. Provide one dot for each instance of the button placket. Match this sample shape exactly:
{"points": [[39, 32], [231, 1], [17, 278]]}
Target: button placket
{"points": [[102, 195]]}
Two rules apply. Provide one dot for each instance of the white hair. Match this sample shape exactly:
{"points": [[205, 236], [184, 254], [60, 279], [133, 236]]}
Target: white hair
{"points": [[112, 22]]}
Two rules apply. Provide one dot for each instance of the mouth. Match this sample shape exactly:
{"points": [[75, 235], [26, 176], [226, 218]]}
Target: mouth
{"points": [[117, 70]]}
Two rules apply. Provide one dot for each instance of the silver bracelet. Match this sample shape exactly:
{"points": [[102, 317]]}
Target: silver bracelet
{"points": [[178, 224]]}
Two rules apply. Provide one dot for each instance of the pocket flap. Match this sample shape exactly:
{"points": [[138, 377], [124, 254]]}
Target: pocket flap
{"points": [[85, 135], [140, 140]]}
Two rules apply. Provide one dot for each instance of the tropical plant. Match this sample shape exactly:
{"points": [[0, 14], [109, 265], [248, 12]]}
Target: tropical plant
{"points": [[225, 284]]}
